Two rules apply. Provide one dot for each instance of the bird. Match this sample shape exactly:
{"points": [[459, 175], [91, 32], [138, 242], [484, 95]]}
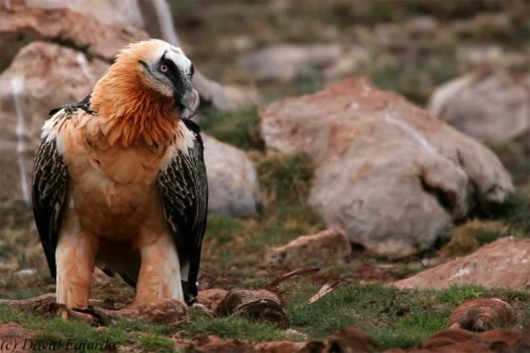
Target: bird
{"points": [[119, 181]]}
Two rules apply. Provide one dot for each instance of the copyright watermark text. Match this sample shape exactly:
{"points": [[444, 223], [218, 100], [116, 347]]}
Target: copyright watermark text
{"points": [[50, 345]]}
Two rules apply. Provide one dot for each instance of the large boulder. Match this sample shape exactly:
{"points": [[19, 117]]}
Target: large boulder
{"points": [[40, 20], [110, 12], [232, 179], [41, 77], [286, 62], [504, 263], [489, 104], [391, 175]]}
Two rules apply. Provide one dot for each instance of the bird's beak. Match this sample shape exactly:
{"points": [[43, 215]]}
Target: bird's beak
{"points": [[191, 103]]}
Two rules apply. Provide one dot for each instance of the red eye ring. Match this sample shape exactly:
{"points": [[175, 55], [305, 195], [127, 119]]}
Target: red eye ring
{"points": [[163, 68]]}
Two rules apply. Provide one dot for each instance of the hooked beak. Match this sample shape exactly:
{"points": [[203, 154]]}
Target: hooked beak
{"points": [[190, 101]]}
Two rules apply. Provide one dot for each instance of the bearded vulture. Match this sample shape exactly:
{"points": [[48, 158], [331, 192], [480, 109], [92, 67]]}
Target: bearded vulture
{"points": [[119, 180]]}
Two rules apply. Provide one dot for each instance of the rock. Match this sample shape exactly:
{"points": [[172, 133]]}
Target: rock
{"points": [[211, 297], [15, 338], [503, 263], [482, 314], [242, 96], [22, 24], [350, 340], [285, 62], [328, 247], [256, 305], [388, 173], [477, 55], [42, 76], [212, 93], [489, 104], [110, 12], [213, 344], [289, 347], [347, 63], [461, 341], [232, 180]]}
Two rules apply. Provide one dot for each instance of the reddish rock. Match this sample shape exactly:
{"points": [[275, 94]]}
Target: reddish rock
{"points": [[22, 24], [211, 297], [325, 248], [503, 263], [390, 174], [462, 341], [457, 340], [290, 347], [15, 338], [350, 340], [213, 344], [483, 314]]}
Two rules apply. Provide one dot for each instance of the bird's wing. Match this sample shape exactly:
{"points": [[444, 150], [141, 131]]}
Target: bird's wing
{"points": [[183, 188], [50, 181]]}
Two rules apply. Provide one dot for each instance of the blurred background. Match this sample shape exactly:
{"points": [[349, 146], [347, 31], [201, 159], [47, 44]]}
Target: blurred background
{"points": [[467, 62]]}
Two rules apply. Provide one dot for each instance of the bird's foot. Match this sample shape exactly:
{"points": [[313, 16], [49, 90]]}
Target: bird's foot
{"points": [[91, 315]]}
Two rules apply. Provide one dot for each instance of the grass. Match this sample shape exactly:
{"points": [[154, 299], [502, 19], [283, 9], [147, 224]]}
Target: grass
{"points": [[238, 245], [393, 317], [238, 129], [237, 328], [59, 329]]}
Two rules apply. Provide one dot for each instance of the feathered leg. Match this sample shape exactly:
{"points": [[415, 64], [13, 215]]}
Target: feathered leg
{"points": [[160, 270], [75, 263]]}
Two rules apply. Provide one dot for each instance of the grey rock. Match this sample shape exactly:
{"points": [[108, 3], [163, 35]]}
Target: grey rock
{"points": [[285, 62], [232, 180], [391, 175], [489, 104]]}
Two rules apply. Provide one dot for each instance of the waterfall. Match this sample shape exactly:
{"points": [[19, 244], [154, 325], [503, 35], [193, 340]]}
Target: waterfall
{"points": [[17, 85], [81, 60]]}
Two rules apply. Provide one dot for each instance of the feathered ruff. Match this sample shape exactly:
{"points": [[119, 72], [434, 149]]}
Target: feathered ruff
{"points": [[132, 111]]}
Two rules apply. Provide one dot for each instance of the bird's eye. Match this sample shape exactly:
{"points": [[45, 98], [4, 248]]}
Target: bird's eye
{"points": [[163, 68]]}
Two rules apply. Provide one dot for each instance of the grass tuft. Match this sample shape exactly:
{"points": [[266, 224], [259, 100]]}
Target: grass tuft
{"points": [[238, 128]]}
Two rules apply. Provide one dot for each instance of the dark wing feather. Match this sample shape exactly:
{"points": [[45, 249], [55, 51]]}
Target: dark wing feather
{"points": [[183, 187], [50, 184]]}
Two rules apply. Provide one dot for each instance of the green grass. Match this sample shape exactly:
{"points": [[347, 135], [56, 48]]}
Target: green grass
{"points": [[236, 245], [237, 328], [157, 343], [58, 329], [239, 128], [393, 317]]}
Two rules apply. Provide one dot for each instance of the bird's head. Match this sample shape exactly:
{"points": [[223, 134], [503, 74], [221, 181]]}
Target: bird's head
{"points": [[165, 69], [147, 74], [145, 92]]}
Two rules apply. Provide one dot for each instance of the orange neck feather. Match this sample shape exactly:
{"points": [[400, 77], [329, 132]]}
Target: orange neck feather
{"points": [[132, 112]]}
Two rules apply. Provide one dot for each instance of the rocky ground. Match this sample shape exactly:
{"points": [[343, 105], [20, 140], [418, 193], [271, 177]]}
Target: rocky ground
{"points": [[408, 234]]}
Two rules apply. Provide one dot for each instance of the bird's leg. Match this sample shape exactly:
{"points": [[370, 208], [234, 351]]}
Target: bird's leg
{"points": [[160, 269], [75, 264]]}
